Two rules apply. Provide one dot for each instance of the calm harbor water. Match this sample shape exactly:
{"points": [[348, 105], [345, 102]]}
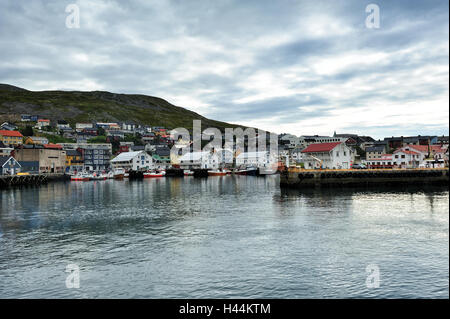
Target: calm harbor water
{"points": [[222, 237]]}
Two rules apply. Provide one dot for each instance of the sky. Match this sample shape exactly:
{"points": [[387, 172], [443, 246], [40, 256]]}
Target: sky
{"points": [[299, 67]]}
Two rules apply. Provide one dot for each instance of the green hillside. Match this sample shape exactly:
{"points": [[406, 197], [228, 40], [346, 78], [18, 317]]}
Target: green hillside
{"points": [[97, 106]]}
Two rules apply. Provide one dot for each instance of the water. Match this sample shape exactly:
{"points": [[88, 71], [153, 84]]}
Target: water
{"points": [[222, 237]]}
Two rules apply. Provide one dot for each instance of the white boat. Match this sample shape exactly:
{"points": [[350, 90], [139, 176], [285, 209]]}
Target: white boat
{"points": [[188, 173], [119, 173]]}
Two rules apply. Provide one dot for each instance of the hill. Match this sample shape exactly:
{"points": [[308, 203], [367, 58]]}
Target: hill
{"points": [[75, 106]]}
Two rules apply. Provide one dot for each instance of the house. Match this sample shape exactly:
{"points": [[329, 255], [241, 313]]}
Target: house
{"points": [[136, 161], [335, 155], [129, 126], [407, 159], [74, 161], [148, 137], [51, 157], [161, 156], [258, 159], [108, 126], [96, 156], [397, 142], [25, 117], [4, 150], [79, 127], [62, 124], [374, 152], [9, 126], [11, 137], [36, 140], [9, 165], [41, 123], [442, 140], [306, 140], [200, 160], [382, 161]]}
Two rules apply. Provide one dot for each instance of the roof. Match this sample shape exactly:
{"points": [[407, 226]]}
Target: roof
{"points": [[43, 120], [10, 133], [424, 148], [321, 147], [126, 156], [5, 159], [406, 152], [53, 146], [379, 148]]}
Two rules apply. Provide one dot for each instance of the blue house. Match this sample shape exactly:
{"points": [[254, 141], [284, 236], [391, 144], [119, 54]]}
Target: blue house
{"points": [[9, 165]]}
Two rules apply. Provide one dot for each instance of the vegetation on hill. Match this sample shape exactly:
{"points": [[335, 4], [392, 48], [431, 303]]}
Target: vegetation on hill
{"points": [[98, 106]]}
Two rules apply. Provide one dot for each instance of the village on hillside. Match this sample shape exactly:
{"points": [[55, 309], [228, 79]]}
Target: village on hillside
{"points": [[36, 145]]}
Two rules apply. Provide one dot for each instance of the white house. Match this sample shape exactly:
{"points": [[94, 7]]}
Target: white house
{"points": [[257, 159], [136, 161], [9, 165], [81, 126], [42, 123], [203, 160], [336, 155]]}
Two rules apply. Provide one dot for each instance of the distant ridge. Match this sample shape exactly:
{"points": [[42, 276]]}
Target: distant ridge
{"points": [[76, 106]]}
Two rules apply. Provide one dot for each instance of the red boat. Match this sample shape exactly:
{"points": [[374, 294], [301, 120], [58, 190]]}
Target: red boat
{"points": [[154, 174]]}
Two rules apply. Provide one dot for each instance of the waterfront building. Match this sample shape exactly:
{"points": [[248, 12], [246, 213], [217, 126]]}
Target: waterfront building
{"points": [[200, 160], [36, 140], [257, 159], [95, 156], [382, 161], [306, 140], [25, 117], [11, 137], [51, 157], [74, 161], [9, 165], [336, 155], [136, 161], [405, 158]]}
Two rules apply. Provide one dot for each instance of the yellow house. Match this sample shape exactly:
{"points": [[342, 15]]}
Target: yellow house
{"points": [[11, 137], [74, 160], [36, 140]]}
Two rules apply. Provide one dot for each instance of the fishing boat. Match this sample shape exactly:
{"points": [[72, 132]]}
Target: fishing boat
{"points": [[217, 173], [80, 178], [119, 173], [188, 173], [154, 174], [250, 170], [263, 171]]}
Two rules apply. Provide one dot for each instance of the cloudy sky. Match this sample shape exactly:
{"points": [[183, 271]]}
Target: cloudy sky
{"points": [[304, 67]]}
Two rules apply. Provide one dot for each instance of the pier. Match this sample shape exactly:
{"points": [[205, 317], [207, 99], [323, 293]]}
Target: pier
{"points": [[301, 178], [7, 181]]}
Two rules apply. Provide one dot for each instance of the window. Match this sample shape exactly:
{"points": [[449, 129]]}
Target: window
{"points": [[403, 156]]}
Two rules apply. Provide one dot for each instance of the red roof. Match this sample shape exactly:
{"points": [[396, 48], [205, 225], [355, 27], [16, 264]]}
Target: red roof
{"points": [[406, 152], [54, 146], [424, 148], [10, 133], [320, 147], [43, 120]]}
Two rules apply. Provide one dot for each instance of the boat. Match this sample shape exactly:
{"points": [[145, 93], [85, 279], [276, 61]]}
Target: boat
{"points": [[250, 170], [154, 174], [217, 173], [97, 177], [119, 173], [188, 173], [263, 171], [80, 178]]}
